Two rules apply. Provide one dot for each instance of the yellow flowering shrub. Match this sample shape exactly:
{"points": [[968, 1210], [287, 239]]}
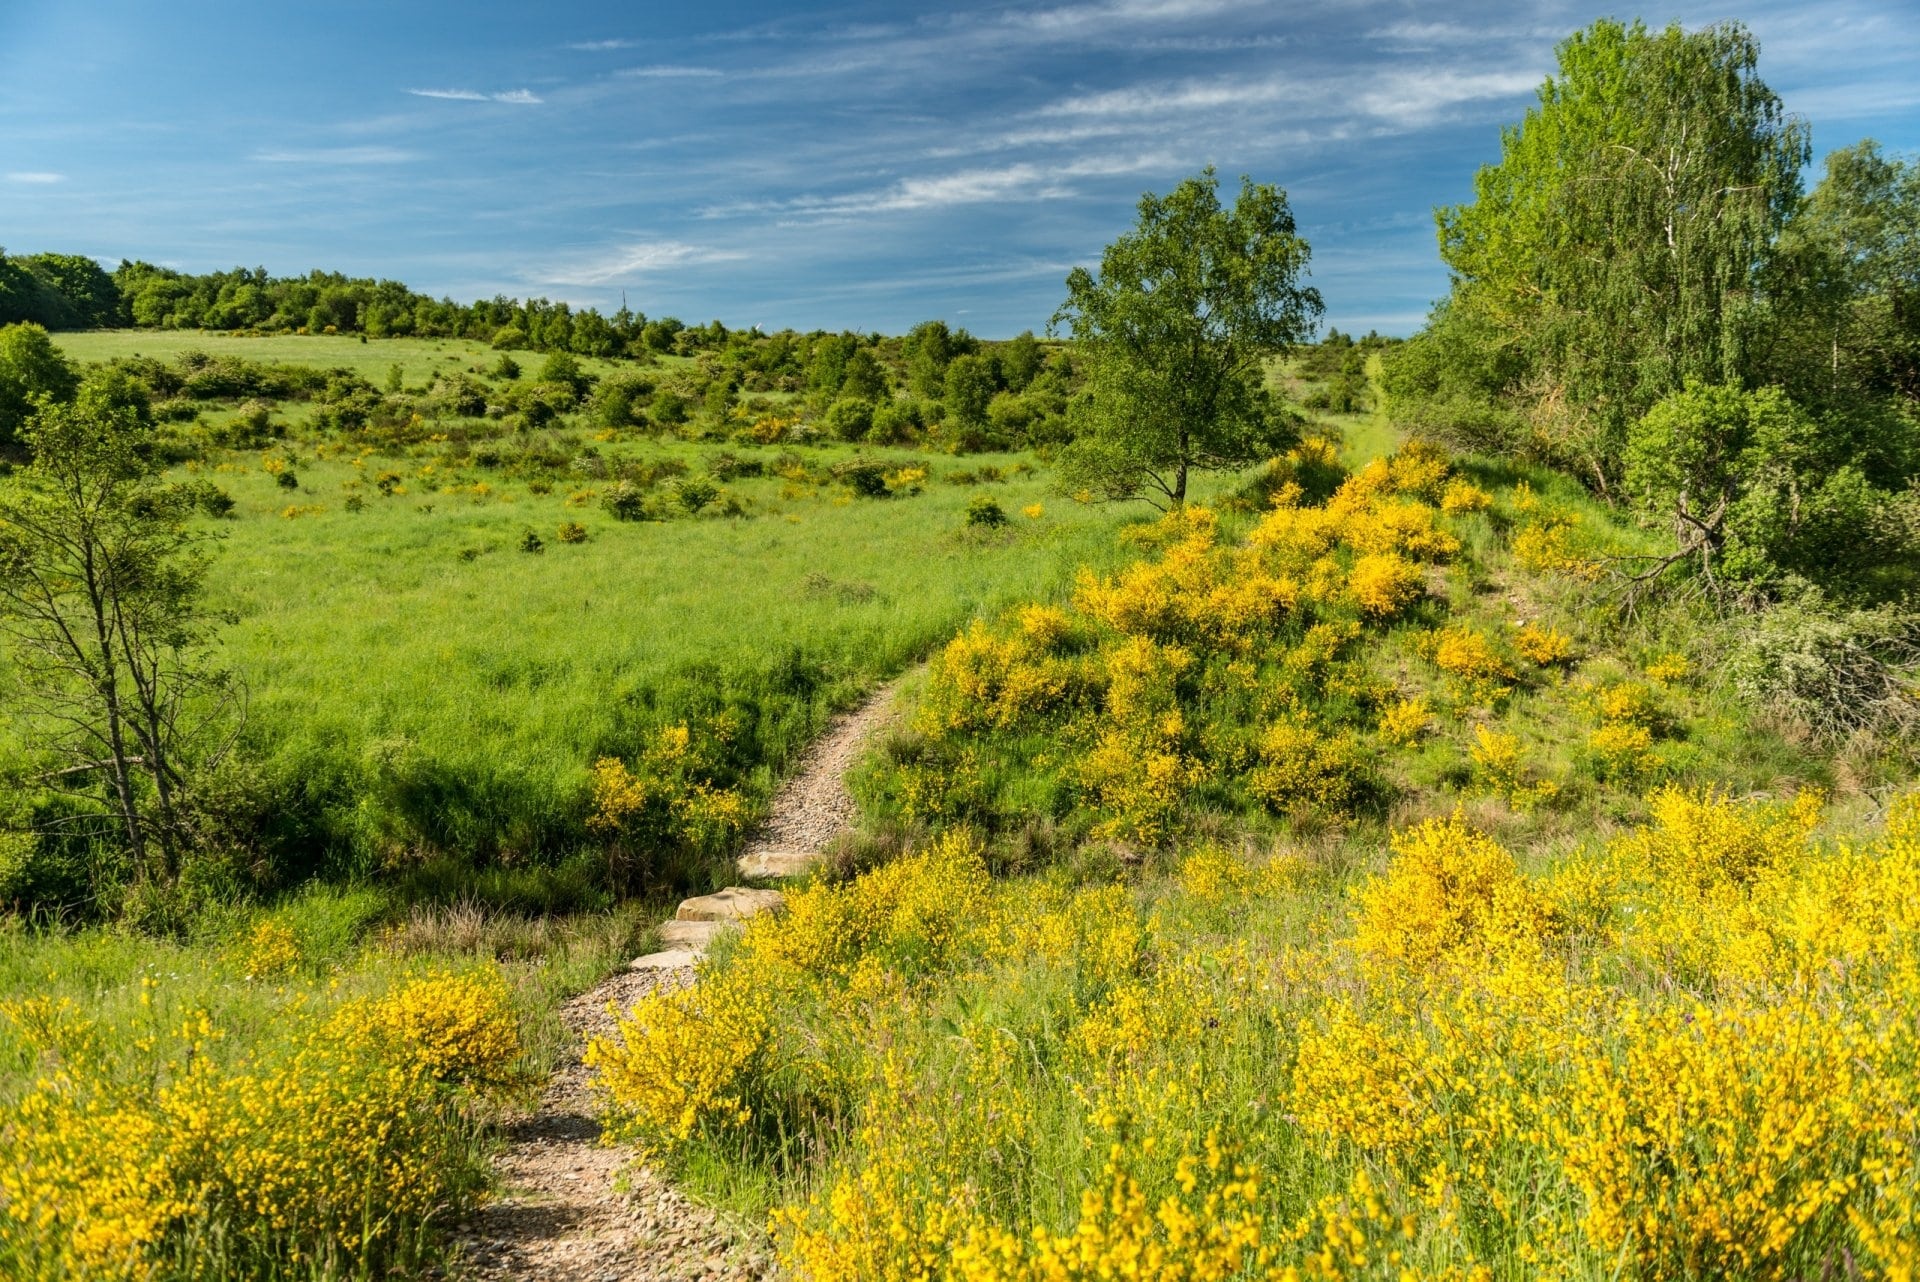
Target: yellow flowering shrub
{"points": [[1472, 1072], [1470, 659], [1542, 646], [1550, 546], [1669, 668], [454, 1027], [1448, 889], [1623, 752], [1384, 583], [683, 1060], [1405, 721], [668, 798], [335, 1145], [1419, 468], [269, 950], [1462, 496], [1499, 769], [1303, 764], [1713, 1137]]}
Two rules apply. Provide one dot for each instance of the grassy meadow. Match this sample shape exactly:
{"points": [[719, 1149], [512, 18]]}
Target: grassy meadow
{"points": [[1328, 882], [419, 359], [1342, 891], [440, 627]]}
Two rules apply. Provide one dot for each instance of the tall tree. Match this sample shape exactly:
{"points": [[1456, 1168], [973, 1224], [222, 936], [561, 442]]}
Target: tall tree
{"points": [[31, 368], [1175, 331], [100, 574], [1846, 284], [1618, 243]]}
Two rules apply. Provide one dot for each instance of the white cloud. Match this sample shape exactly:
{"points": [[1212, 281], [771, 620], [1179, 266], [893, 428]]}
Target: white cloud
{"points": [[1419, 92], [640, 258], [596, 46], [519, 97], [669, 73], [335, 156], [966, 187], [36, 177]]}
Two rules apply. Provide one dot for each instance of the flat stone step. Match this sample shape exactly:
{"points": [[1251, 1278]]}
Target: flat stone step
{"points": [[778, 865], [692, 934], [735, 903], [666, 959]]}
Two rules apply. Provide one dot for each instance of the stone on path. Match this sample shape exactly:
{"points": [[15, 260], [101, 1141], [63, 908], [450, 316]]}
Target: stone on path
{"points": [[691, 934], [668, 959], [777, 864], [735, 903]]}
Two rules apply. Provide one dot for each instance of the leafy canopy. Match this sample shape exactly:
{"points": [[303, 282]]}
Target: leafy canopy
{"points": [[1175, 330], [1618, 243]]}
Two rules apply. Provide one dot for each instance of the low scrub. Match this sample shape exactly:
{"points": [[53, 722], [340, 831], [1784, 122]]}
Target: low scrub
{"points": [[1687, 1051]]}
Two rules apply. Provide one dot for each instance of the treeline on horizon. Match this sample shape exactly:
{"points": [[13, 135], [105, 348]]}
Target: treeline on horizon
{"points": [[72, 291]]}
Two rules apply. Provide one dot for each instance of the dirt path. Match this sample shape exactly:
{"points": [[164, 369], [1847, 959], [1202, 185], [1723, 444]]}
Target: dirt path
{"points": [[561, 1215], [813, 807]]}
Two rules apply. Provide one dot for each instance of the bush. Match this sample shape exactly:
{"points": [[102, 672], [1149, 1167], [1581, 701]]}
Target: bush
{"points": [[695, 492], [850, 419], [896, 423], [571, 532], [624, 501], [531, 542], [985, 512], [1834, 672], [865, 477]]}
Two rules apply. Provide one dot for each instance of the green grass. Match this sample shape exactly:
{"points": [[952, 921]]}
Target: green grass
{"points": [[419, 358], [426, 642], [418, 688]]}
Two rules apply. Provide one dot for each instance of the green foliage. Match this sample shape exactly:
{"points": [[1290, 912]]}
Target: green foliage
{"points": [[31, 367], [1649, 183], [969, 387], [1174, 332], [106, 629], [850, 418], [984, 512], [1833, 670], [1845, 285], [1761, 493]]}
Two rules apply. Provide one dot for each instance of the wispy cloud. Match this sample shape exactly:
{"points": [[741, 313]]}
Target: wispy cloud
{"points": [[335, 156], [639, 258], [1418, 93], [36, 177], [966, 187], [597, 46], [519, 97], [669, 72]]}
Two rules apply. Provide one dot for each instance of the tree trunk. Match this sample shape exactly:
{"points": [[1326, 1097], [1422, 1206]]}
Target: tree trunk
{"points": [[107, 684]]}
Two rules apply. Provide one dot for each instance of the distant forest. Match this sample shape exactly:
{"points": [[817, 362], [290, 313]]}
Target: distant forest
{"points": [[72, 291]]}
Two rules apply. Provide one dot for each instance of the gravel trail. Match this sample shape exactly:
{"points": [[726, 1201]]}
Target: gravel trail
{"points": [[574, 1209]]}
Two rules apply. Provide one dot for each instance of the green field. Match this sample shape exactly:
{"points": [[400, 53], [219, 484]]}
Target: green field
{"points": [[425, 695], [419, 358]]}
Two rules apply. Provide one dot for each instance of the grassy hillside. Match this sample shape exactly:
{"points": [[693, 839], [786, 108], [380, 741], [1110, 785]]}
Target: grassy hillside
{"points": [[418, 358], [440, 621], [1392, 908]]}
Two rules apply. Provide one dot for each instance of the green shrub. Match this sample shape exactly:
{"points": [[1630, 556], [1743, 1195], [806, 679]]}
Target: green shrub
{"points": [[1835, 672], [624, 501], [850, 419], [984, 511]]}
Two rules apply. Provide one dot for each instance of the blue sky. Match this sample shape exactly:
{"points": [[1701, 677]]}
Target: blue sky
{"points": [[861, 165]]}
